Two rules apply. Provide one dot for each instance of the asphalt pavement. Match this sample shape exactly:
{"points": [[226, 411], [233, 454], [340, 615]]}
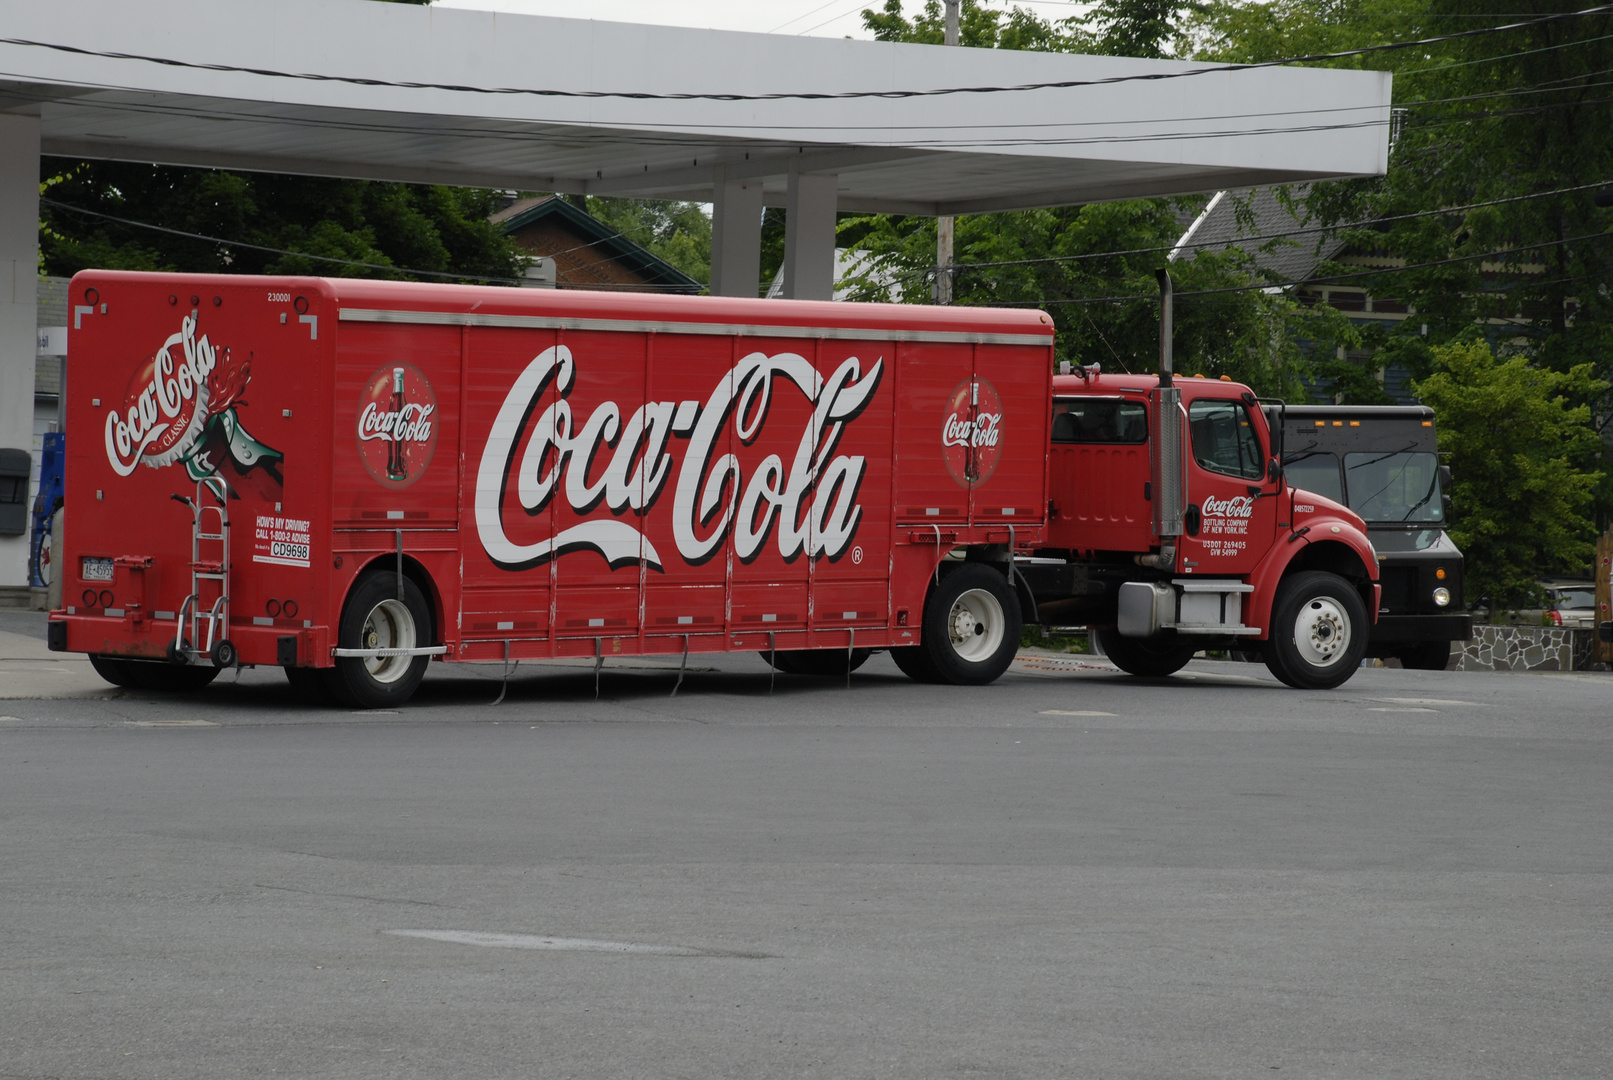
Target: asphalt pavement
{"points": [[1071, 873]]}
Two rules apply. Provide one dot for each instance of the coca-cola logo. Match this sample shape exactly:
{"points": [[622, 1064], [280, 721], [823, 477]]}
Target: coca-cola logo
{"points": [[971, 433], [397, 424], [1239, 506], [810, 499], [169, 399]]}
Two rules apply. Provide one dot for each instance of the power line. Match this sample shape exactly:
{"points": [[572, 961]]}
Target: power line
{"points": [[850, 95], [1329, 280], [1240, 240]]}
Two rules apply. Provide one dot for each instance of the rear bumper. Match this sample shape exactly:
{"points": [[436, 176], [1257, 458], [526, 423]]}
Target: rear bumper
{"points": [[1409, 629], [149, 638]]}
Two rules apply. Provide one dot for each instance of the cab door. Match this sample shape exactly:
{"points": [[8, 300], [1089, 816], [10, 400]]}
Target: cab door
{"points": [[1231, 509]]}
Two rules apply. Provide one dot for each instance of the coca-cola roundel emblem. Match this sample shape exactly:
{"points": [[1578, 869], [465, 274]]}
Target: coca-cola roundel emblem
{"points": [[397, 424], [971, 431]]}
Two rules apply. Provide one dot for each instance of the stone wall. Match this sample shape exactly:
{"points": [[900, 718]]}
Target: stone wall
{"points": [[1518, 648]]}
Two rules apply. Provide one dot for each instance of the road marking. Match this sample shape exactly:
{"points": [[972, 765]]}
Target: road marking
{"points": [[543, 941], [1403, 709], [1073, 712], [10, 719], [170, 723], [1422, 701]]}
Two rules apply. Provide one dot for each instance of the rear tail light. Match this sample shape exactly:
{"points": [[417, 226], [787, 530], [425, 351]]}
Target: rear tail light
{"points": [[1556, 617]]}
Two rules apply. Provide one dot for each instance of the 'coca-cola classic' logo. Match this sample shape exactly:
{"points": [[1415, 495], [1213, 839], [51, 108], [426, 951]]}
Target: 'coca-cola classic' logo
{"points": [[971, 433], [1239, 506], [397, 424]]}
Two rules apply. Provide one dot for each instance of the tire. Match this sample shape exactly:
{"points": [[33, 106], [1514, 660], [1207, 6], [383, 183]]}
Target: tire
{"points": [[113, 669], [171, 678], [374, 617], [826, 662], [1149, 658], [1318, 631], [1426, 656], [972, 625], [914, 662], [308, 684]]}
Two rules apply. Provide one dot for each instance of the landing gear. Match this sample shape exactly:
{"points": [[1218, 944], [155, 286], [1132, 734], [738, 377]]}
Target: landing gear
{"points": [[1318, 631]]}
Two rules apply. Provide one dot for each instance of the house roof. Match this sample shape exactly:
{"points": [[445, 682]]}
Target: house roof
{"points": [[1218, 227], [604, 242]]}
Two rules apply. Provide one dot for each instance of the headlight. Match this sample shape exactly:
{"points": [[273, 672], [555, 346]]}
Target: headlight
{"points": [[1442, 596]]}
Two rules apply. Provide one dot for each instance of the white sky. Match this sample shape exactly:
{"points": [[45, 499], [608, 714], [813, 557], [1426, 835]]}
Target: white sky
{"points": [[818, 18]]}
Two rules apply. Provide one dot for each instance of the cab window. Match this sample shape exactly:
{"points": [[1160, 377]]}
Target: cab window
{"points": [[1100, 420], [1224, 439], [1317, 473]]}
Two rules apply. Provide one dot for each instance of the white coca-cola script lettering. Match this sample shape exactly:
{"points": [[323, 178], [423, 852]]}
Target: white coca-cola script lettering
{"points": [[157, 407], [1239, 506], [410, 424], [983, 430], [812, 500]]}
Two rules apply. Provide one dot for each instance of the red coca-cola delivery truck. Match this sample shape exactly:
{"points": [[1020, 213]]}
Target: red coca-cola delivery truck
{"points": [[349, 478]]}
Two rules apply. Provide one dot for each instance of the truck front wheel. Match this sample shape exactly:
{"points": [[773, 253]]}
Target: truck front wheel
{"points": [[1147, 657], [971, 627], [377, 617], [1318, 631]]}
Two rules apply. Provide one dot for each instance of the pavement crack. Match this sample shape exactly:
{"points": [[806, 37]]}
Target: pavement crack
{"points": [[351, 896]]}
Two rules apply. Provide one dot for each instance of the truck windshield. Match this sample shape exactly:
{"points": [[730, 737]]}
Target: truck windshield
{"points": [[1318, 473], [1224, 440], [1400, 486], [1100, 420]]}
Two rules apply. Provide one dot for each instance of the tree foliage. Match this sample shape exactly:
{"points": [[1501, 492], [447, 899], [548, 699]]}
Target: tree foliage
{"points": [[399, 230], [679, 232], [1525, 462]]}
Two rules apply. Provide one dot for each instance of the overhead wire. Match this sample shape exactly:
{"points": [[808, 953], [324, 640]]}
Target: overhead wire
{"points": [[849, 95]]}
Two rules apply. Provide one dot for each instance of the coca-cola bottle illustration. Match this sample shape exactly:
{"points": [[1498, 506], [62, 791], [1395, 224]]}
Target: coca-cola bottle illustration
{"points": [[397, 468]]}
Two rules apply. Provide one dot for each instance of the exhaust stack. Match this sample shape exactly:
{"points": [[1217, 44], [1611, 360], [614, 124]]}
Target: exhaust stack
{"points": [[1165, 448]]}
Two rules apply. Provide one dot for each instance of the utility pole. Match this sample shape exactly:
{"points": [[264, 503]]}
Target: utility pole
{"points": [[943, 225]]}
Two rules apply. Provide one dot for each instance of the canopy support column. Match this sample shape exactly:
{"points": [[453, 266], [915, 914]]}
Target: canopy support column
{"points": [[19, 282], [809, 236], [736, 237]]}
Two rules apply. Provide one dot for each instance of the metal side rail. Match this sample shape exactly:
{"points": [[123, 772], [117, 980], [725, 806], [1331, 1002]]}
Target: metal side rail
{"points": [[368, 654]]}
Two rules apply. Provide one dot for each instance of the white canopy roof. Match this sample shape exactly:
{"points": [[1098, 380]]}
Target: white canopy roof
{"points": [[306, 108]]}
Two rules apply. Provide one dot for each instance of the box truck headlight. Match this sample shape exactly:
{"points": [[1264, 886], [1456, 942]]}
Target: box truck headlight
{"points": [[1442, 596]]}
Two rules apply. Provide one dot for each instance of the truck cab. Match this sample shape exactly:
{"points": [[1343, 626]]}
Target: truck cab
{"points": [[1382, 461], [1173, 528]]}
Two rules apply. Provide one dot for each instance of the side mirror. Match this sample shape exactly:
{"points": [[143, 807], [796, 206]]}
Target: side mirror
{"points": [[1274, 471]]}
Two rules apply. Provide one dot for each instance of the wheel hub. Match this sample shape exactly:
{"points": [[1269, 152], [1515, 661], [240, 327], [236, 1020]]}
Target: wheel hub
{"points": [[1322, 631], [975, 625]]}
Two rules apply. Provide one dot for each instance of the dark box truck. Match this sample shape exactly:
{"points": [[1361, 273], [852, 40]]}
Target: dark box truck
{"points": [[1381, 461]]}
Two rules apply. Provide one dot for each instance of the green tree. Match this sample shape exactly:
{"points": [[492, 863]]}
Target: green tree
{"points": [[1525, 463], [679, 232], [402, 231], [1064, 259]]}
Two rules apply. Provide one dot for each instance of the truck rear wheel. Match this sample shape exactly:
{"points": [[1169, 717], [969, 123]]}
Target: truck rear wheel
{"points": [[1149, 658], [376, 618], [1318, 631], [1426, 656], [828, 662], [971, 627], [114, 669]]}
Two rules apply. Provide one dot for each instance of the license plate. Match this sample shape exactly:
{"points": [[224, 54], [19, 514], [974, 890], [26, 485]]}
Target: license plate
{"points": [[97, 570]]}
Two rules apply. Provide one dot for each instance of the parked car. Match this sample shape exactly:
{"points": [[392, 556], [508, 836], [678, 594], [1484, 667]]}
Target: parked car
{"points": [[1570, 603]]}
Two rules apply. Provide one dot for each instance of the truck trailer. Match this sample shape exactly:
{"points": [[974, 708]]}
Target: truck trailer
{"points": [[350, 479]]}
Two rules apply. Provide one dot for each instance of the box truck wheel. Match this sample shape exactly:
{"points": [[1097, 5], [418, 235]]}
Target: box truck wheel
{"points": [[1153, 657], [1426, 656], [971, 626], [1318, 631], [151, 674], [375, 618], [817, 661]]}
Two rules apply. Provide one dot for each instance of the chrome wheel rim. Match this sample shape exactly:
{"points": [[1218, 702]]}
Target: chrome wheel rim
{"points": [[389, 625], [975, 625], [1322, 631]]}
